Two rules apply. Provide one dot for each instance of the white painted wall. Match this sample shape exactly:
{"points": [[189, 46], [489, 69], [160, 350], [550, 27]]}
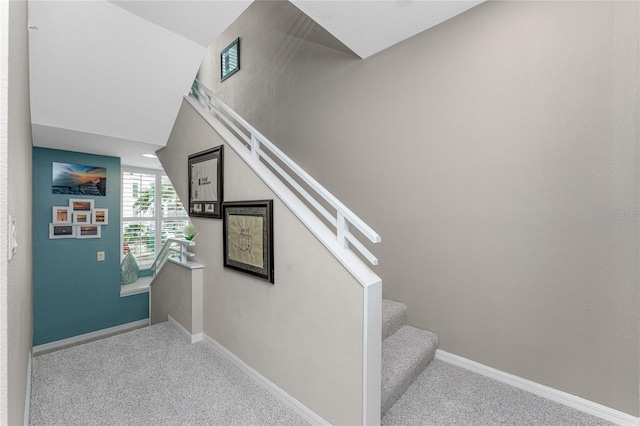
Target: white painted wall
{"points": [[4, 119], [15, 185], [107, 77], [150, 71]]}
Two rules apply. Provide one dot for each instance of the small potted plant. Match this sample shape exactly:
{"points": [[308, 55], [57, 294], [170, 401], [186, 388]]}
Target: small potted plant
{"points": [[190, 232]]}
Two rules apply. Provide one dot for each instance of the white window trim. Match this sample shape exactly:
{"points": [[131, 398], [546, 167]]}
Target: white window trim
{"points": [[157, 220]]}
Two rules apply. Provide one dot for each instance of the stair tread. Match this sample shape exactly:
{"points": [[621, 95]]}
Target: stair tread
{"points": [[405, 354], [394, 316]]}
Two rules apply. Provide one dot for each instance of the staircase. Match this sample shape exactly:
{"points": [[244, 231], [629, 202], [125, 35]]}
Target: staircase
{"points": [[406, 352], [328, 219]]}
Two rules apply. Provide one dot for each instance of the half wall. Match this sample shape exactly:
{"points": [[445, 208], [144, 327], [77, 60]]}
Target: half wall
{"points": [[304, 333]]}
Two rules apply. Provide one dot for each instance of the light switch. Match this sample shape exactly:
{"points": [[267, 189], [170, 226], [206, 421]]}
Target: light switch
{"points": [[13, 238], [100, 256]]}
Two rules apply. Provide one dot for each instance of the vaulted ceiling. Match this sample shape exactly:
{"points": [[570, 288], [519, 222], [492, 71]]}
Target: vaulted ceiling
{"points": [[107, 77]]}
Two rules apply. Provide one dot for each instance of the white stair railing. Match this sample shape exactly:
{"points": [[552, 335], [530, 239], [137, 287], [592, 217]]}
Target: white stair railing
{"points": [[168, 249], [254, 141]]}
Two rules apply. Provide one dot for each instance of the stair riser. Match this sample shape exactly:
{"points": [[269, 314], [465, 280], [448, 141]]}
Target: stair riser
{"points": [[405, 354], [394, 317]]}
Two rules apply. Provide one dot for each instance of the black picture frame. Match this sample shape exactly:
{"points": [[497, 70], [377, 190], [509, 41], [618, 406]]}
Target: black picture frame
{"points": [[247, 229], [206, 186], [230, 60]]}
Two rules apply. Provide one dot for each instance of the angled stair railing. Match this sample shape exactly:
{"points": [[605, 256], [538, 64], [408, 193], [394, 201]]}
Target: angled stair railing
{"points": [[295, 187], [169, 249], [255, 141]]}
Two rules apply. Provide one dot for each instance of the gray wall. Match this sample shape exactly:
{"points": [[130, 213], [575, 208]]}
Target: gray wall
{"points": [[177, 292], [304, 333], [19, 275], [171, 295], [496, 154]]}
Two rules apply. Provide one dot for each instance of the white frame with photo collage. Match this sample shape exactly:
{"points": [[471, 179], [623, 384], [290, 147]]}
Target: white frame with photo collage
{"points": [[77, 219]]}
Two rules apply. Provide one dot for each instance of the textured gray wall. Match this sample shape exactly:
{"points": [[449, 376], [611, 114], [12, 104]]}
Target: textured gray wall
{"points": [[496, 154], [19, 277], [305, 332], [171, 295]]}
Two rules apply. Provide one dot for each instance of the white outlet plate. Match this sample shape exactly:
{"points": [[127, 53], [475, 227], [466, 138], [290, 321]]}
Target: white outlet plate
{"points": [[100, 256]]}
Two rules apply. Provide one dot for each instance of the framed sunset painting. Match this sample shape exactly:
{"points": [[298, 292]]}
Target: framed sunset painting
{"points": [[78, 179]]}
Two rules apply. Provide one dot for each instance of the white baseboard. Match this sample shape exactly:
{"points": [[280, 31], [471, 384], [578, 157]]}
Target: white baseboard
{"points": [[268, 385], [27, 397], [283, 396], [191, 338], [88, 336], [561, 397]]}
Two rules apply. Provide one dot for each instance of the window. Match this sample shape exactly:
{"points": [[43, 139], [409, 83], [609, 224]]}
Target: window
{"points": [[151, 213]]}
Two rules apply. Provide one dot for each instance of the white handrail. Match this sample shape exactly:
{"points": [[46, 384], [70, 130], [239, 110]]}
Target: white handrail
{"points": [[185, 254], [164, 253], [343, 216]]}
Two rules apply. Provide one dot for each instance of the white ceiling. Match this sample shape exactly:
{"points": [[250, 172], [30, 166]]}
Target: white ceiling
{"points": [[107, 77], [370, 26], [113, 73]]}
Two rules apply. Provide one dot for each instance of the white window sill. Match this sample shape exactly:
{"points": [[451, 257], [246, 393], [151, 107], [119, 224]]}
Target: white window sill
{"points": [[140, 286]]}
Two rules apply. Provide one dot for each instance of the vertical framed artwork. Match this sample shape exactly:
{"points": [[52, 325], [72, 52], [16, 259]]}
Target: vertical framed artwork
{"points": [[248, 237], [100, 216], [230, 60], [206, 183], [61, 214]]}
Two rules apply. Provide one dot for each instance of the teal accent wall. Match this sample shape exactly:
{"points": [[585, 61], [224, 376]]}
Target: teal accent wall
{"points": [[74, 293]]}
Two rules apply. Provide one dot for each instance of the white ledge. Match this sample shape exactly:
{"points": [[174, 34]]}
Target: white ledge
{"points": [[140, 286], [188, 264]]}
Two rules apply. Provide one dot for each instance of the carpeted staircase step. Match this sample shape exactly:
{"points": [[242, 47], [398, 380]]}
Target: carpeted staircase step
{"points": [[405, 354], [394, 316]]}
